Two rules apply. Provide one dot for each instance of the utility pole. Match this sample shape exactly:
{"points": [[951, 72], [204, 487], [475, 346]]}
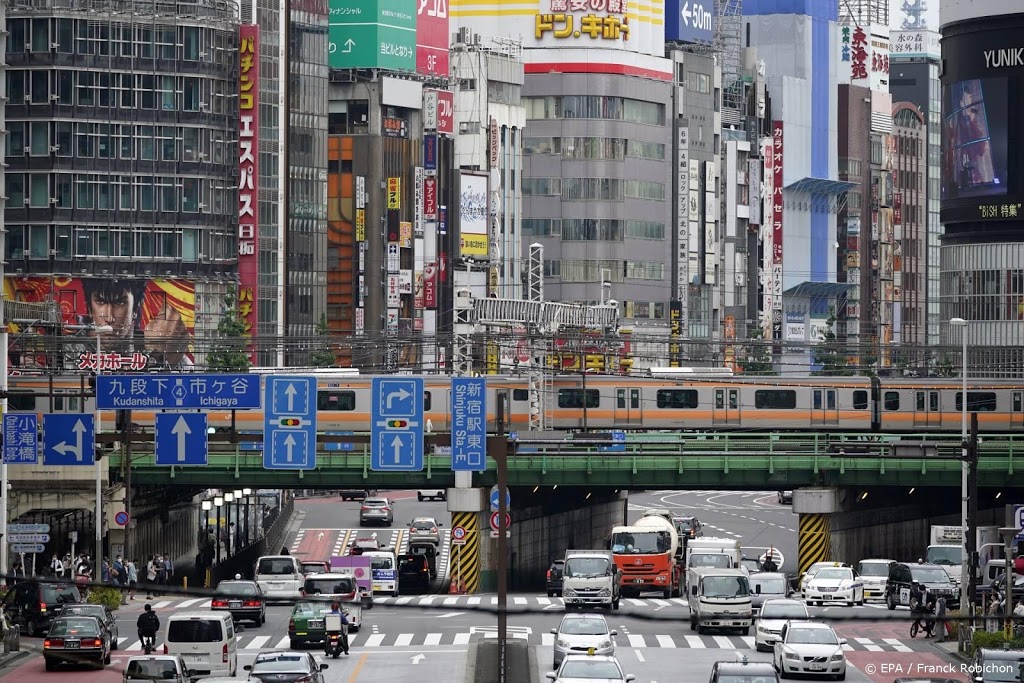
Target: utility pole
{"points": [[972, 515], [126, 449], [500, 454]]}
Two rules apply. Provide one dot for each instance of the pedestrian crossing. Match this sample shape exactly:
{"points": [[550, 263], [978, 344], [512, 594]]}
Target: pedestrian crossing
{"points": [[514, 601], [373, 639], [397, 538]]}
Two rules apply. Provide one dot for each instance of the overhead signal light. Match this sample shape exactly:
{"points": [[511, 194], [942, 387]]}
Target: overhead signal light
{"points": [[398, 424]]}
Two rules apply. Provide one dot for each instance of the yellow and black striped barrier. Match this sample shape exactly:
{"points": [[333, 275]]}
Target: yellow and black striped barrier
{"points": [[464, 560], [814, 542]]}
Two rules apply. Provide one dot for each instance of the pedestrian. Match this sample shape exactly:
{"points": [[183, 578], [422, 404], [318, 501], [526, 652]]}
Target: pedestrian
{"points": [[168, 571], [151, 575], [17, 572], [284, 550], [940, 618], [56, 566], [232, 547], [105, 572], [132, 577], [161, 575], [120, 577]]}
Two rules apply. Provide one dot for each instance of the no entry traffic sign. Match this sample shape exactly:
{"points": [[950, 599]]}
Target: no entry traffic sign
{"points": [[459, 535], [496, 519]]}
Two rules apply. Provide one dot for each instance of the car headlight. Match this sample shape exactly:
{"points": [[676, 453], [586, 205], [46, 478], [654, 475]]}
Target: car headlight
{"points": [[761, 629], [562, 643], [660, 579], [605, 644], [569, 593], [792, 655], [837, 657], [605, 593]]}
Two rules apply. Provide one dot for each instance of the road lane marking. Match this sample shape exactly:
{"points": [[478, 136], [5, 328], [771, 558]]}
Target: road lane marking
{"points": [[494, 601], [354, 676], [428, 599], [896, 645], [680, 601], [636, 601], [446, 616], [189, 603], [432, 639], [661, 603], [375, 640], [695, 642], [636, 640], [403, 640], [283, 644], [547, 639], [461, 639], [543, 601], [868, 645], [256, 643], [519, 601], [665, 641], [163, 603], [137, 645], [403, 601], [748, 640], [724, 642]]}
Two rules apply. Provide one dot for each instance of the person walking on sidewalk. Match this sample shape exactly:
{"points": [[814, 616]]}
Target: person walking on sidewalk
{"points": [[132, 576], [168, 571], [151, 575]]}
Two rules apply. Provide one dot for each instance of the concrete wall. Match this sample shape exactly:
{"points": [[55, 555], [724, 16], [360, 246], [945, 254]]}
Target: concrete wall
{"points": [[544, 529]]}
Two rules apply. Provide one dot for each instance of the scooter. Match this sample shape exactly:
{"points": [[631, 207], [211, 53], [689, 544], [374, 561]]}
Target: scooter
{"points": [[148, 643], [336, 640]]}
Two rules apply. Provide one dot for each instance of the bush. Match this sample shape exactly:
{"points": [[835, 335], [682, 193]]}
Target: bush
{"points": [[994, 640], [110, 597]]}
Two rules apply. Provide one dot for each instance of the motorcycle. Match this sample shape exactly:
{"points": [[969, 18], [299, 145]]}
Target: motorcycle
{"points": [[336, 639], [148, 643]]}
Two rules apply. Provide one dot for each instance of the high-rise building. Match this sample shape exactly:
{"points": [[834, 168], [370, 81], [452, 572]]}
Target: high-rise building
{"points": [[122, 158], [910, 227]]}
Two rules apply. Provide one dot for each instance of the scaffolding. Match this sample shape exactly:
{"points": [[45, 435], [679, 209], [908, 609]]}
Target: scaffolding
{"points": [[728, 46]]}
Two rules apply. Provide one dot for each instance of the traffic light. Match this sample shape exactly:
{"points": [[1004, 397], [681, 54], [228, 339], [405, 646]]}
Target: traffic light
{"points": [[398, 424], [290, 422]]}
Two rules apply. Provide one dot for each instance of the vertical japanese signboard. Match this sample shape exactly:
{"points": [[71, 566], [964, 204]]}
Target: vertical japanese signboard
{"points": [[248, 162], [493, 144], [417, 208], [675, 334], [754, 178], [430, 198], [469, 424], [430, 285], [766, 232], [445, 112], [432, 37], [777, 206], [394, 193], [683, 219]]}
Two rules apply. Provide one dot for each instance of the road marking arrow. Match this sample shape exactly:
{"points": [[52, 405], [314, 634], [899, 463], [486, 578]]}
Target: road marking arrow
{"points": [[289, 444], [416, 659], [686, 13], [349, 44], [552, 607], [401, 395], [320, 536], [181, 430], [396, 444], [63, 448], [290, 392]]}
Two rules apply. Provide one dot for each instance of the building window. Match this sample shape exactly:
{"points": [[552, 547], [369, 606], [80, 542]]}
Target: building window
{"points": [[85, 141], [86, 193], [17, 35], [15, 86], [644, 270], [591, 229], [645, 230], [168, 144], [16, 138], [697, 82], [552, 268], [587, 189], [600, 149], [645, 150], [542, 145], [595, 107], [40, 138], [65, 87], [190, 195], [190, 43], [189, 244], [542, 227], [147, 142], [146, 195], [62, 190], [41, 35], [39, 195], [86, 88], [542, 186], [642, 189]]}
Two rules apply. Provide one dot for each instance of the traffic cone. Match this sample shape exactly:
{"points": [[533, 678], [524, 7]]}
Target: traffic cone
{"points": [[453, 588]]}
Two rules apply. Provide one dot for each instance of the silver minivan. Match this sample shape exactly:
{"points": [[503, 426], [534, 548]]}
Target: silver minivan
{"points": [[205, 641]]}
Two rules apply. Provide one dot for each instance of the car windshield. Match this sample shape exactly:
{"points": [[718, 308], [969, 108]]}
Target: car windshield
{"points": [[332, 586], [725, 587], [313, 567], [85, 626], [85, 610], [836, 574], [586, 567], [375, 503], [236, 588], [764, 678], [311, 608], [641, 542], [777, 611], [949, 555], [583, 668], [412, 563], [194, 631], [874, 569], [811, 636], [279, 565], [382, 563], [281, 663], [716, 561], [1000, 670], [929, 575], [59, 594], [583, 627], [151, 669], [774, 586], [424, 525]]}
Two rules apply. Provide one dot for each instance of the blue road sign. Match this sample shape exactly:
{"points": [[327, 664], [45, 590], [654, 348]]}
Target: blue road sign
{"points": [[469, 424], [397, 424], [181, 439], [496, 499], [289, 429], [155, 392], [21, 439], [69, 439], [618, 444], [689, 21], [340, 445]]}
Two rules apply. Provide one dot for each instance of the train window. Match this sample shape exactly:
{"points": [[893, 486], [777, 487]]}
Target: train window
{"points": [[426, 400], [860, 400], [734, 401], [977, 401], [933, 401], [520, 395], [919, 401], [830, 399], [891, 400], [23, 402], [573, 398], [719, 399], [783, 399], [335, 400], [677, 398], [1018, 399], [817, 399]]}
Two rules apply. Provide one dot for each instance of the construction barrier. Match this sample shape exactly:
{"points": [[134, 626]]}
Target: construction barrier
{"points": [[814, 541], [464, 560]]}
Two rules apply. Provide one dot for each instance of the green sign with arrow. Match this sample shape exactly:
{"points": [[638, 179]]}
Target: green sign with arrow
{"points": [[372, 34]]}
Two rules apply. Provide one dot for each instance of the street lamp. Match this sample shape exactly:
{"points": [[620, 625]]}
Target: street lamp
{"points": [[965, 597], [218, 502], [246, 493]]}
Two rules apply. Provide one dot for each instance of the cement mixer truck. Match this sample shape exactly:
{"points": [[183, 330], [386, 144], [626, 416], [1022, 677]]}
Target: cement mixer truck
{"points": [[649, 556]]}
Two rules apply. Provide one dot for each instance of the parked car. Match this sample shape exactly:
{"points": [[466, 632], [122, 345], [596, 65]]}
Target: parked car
{"points": [[424, 529], [376, 511], [286, 667], [72, 640], [431, 494], [101, 612], [242, 599], [32, 604], [413, 573], [553, 583]]}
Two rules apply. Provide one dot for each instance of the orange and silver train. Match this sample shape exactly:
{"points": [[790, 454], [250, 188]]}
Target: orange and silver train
{"points": [[694, 400]]}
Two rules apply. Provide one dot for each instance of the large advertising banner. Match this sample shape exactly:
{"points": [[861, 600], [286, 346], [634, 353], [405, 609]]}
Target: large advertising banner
{"points": [[373, 34], [766, 232], [777, 210], [432, 37], [248, 163], [473, 215], [152, 324]]}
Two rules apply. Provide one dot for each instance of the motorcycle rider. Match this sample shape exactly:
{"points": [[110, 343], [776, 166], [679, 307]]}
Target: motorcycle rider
{"points": [[336, 610], [148, 626]]}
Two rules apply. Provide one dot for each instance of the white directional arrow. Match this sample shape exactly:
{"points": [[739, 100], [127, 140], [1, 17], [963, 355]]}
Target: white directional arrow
{"points": [[686, 13], [320, 536], [396, 444], [401, 395], [290, 392], [416, 659], [289, 444], [181, 430], [349, 44], [63, 448]]}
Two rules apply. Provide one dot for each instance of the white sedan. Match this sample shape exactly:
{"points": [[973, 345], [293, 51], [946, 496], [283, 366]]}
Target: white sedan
{"points": [[835, 584], [809, 648], [806, 577], [772, 618]]}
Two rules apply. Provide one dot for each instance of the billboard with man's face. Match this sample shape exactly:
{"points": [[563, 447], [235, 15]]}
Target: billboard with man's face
{"points": [[143, 324]]}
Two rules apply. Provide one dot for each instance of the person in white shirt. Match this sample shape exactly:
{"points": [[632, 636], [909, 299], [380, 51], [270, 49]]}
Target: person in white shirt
{"points": [[56, 566]]}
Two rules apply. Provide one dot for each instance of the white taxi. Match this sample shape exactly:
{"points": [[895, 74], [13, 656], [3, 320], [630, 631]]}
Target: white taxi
{"points": [[835, 584], [806, 577], [874, 573]]}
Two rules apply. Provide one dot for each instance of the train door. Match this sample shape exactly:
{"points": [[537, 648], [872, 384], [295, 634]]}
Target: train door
{"points": [[926, 409], [1017, 418], [824, 407], [627, 407], [726, 409], [492, 419]]}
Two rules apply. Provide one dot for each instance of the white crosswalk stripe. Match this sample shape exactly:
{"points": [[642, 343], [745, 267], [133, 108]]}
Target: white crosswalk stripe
{"points": [[448, 602], [163, 603], [282, 644], [375, 640], [636, 640], [519, 601], [256, 643], [433, 639], [473, 601], [547, 639], [724, 642], [868, 645], [748, 641], [665, 641], [461, 639], [190, 603], [404, 640], [137, 645], [694, 642], [896, 645]]}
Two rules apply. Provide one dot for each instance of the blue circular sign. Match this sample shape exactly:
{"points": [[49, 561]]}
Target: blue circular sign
{"points": [[121, 518]]}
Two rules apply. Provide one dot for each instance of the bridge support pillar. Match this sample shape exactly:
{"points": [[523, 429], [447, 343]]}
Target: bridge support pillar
{"points": [[465, 561], [814, 540]]}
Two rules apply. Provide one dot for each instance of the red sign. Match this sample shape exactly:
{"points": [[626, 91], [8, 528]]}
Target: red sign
{"points": [[430, 285], [432, 37], [430, 198], [859, 53], [777, 204], [446, 112], [496, 520], [248, 162]]}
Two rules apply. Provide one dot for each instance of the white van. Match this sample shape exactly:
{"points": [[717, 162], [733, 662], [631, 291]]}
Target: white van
{"points": [[383, 571], [280, 577], [719, 599], [205, 641]]}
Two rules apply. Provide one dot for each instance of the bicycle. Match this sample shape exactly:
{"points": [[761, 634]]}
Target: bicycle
{"points": [[928, 625]]}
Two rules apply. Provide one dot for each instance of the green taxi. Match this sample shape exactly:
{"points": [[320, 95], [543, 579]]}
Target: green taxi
{"points": [[306, 624]]}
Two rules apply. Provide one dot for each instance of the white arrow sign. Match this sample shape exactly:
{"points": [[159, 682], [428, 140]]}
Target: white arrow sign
{"points": [[181, 430], [396, 444], [289, 444], [63, 448], [290, 392], [349, 44], [686, 13], [401, 395], [416, 659]]}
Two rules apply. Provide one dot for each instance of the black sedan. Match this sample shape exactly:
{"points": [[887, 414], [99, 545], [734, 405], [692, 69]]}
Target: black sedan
{"points": [[285, 667], [243, 599], [101, 612], [73, 640]]}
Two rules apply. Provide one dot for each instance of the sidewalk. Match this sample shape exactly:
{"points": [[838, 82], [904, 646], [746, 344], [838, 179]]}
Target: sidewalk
{"points": [[950, 648]]}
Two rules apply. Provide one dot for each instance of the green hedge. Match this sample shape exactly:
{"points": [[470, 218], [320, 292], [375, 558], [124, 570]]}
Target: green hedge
{"points": [[994, 640], [111, 597]]}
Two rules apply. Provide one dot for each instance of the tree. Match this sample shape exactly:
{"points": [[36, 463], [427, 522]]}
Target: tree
{"points": [[944, 368], [829, 353], [321, 355], [757, 355], [229, 352]]}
